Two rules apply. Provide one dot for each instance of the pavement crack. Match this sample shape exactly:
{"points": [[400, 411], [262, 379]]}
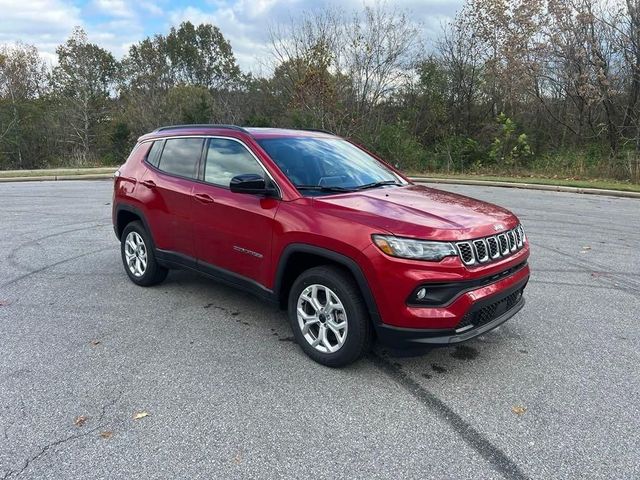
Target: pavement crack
{"points": [[43, 450], [614, 280], [472, 437], [70, 259]]}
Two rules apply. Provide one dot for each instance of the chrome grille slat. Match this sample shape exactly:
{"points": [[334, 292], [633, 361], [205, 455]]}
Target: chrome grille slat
{"points": [[494, 247], [518, 236], [466, 253], [480, 247], [483, 250], [512, 240], [504, 244]]}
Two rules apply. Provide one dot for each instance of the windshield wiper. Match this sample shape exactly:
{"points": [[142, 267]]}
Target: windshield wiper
{"points": [[323, 188], [378, 184]]}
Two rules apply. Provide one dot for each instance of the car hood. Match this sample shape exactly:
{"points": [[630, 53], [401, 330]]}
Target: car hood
{"points": [[420, 212]]}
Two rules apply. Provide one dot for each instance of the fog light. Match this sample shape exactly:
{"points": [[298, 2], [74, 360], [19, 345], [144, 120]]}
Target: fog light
{"points": [[421, 294]]}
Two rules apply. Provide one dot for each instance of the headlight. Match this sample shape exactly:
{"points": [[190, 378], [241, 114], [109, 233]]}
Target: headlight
{"points": [[414, 249]]}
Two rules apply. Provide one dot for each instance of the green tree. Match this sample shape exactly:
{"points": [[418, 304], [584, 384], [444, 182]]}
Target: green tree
{"points": [[22, 81], [202, 56], [83, 81]]}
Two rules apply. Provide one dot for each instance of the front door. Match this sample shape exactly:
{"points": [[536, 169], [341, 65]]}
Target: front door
{"points": [[233, 231]]}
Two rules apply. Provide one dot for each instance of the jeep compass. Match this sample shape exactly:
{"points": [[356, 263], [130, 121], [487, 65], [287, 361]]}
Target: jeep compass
{"points": [[351, 248]]}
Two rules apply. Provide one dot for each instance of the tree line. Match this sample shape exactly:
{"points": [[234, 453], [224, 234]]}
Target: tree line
{"points": [[515, 86]]}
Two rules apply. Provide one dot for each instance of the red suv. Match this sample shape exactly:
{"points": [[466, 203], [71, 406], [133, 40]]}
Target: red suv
{"points": [[346, 243]]}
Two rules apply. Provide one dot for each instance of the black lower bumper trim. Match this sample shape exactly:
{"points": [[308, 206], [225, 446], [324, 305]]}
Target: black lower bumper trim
{"points": [[396, 337]]}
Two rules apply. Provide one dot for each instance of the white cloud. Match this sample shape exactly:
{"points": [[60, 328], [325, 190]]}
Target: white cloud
{"points": [[48, 23], [151, 7], [43, 23], [114, 8], [245, 23], [116, 24]]}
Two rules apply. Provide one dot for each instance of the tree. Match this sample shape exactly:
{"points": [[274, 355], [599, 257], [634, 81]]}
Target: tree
{"points": [[189, 73], [202, 56], [83, 81], [338, 69], [22, 80]]}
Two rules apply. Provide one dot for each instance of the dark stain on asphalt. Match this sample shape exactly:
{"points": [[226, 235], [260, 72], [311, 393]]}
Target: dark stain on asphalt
{"points": [[235, 314], [464, 352], [523, 351], [208, 305], [427, 375], [287, 339], [438, 369], [472, 437]]}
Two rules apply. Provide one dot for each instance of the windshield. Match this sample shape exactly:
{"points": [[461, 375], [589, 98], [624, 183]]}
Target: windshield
{"points": [[324, 165]]}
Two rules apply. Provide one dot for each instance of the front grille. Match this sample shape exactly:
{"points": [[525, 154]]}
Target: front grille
{"points": [[490, 312], [483, 250]]}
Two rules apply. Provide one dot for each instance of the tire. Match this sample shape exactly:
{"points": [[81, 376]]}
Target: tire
{"points": [[140, 273], [344, 320]]}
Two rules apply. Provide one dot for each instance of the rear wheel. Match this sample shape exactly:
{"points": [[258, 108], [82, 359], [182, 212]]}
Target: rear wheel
{"points": [[138, 258], [328, 316]]}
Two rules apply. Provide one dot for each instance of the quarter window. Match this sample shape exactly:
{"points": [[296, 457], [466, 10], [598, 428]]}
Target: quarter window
{"points": [[180, 156], [226, 159], [153, 157]]}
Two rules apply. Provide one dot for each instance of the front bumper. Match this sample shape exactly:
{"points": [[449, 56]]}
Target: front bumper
{"points": [[483, 315]]}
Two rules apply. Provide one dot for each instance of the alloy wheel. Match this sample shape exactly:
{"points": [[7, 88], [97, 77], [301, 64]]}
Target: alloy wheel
{"points": [[322, 318], [135, 252]]}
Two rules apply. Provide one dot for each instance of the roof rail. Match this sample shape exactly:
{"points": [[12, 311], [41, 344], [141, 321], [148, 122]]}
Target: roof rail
{"points": [[200, 125], [320, 130]]}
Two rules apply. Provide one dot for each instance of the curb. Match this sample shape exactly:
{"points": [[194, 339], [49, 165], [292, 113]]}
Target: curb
{"points": [[529, 186], [449, 181], [52, 178]]}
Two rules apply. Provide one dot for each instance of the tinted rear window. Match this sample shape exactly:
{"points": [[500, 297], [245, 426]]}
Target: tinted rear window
{"points": [[180, 156], [153, 157]]}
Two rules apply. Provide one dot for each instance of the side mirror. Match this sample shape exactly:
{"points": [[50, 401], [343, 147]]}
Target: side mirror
{"points": [[251, 183]]}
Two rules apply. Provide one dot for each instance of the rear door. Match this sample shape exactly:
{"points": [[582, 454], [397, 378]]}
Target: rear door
{"points": [[233, 231], [168, 184]]}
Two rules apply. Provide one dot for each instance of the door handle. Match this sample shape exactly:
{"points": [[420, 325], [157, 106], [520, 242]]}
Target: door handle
{"points": [[203, 198], [148, 183]]}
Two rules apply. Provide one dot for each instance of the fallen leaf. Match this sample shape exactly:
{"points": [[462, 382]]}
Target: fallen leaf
{"points": [[95, 343], [106, 434], [586, 248], [599, 274], [80, 421], [140, 415], [518, 410]]}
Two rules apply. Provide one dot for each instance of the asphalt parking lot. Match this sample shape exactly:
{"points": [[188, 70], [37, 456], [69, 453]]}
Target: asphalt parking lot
{"points": [[553, 393]]}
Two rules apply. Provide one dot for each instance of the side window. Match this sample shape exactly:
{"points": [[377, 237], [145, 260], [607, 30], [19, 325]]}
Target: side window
{"points": [[226, 159], [153, 157], [180, 156]]}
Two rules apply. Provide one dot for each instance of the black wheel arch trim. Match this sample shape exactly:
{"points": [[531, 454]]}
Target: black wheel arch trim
{"points": [[137, 212], [335, 257]]}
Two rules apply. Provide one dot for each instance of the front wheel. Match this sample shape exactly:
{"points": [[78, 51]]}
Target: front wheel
{"points": [[328, 316], [138, 258]]}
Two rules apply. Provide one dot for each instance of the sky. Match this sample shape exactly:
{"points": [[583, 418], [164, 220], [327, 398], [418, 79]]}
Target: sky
{"points": [[116, 24]]}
